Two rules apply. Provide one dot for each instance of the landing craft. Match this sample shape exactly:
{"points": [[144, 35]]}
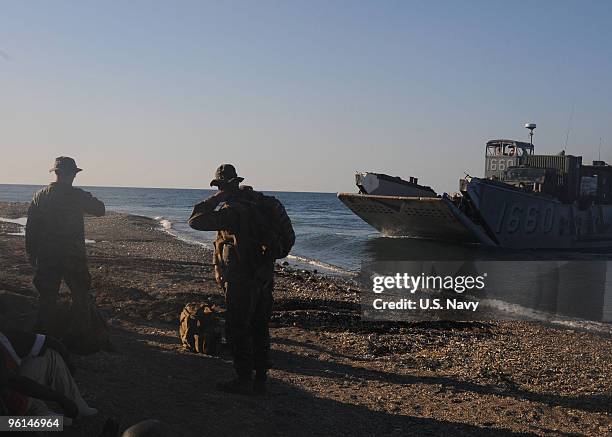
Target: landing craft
{"points": [[524, 201]]}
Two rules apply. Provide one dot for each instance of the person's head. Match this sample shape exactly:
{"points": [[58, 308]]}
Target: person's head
{"points": [[65, 169], [226, 178]]}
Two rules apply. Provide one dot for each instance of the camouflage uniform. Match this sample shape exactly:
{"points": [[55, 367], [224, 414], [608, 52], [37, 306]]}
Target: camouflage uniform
{"points": [[55, 242], [248, 288]]}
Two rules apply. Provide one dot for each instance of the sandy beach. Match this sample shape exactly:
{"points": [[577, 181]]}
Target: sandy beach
{"points": [[332, 372]]}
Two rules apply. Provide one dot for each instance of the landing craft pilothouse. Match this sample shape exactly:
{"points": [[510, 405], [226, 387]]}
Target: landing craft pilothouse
{"points": [[524, 201]]}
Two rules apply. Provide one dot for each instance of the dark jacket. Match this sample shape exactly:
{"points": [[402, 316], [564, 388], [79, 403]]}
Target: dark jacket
{"points": [[205, 217], [55, 226], [234, 223]]}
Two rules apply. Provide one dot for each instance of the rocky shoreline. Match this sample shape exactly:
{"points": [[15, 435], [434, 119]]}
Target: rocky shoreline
{"points": [[332, 372]]}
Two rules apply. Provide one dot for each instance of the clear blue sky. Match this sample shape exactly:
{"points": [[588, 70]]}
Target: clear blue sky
{"points": [[298, 95]]}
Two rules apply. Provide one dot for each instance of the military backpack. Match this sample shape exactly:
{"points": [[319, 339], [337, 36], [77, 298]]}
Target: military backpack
{"points": [[201, 329], [275, 228], [266, 234]]}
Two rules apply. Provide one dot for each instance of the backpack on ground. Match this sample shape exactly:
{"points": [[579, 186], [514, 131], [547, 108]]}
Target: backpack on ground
{"points": [[200, 329]]}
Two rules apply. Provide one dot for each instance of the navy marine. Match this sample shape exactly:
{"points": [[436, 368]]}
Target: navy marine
{"points": [[253, 230], [55, 245]]}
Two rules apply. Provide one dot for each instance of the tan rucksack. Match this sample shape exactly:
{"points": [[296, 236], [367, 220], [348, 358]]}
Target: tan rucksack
{"points": [[265, 235], [269, 222], [200, 329]]}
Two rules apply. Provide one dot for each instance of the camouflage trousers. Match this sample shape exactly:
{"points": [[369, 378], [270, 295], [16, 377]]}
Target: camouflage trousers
{"points": [[48, 277], [247, 318]]}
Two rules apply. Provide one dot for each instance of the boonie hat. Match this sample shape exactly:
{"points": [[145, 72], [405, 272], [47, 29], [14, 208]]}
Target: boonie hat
{"points": [[226, 173], [66, 164]]}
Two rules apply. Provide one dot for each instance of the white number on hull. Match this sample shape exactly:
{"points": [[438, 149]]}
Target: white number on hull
{"points": [[499, 164], [517, 218]]}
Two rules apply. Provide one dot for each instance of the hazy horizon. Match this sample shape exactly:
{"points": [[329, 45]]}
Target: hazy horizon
{"points": [[298, 95]]}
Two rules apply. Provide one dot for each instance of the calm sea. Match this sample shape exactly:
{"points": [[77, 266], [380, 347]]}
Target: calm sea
{"points": [[328, 234], [332, 239]]}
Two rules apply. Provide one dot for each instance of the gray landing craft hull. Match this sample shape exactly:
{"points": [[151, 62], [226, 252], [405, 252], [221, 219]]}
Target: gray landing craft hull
{"points": [[521, 220], [510, 218], [433, 218]]}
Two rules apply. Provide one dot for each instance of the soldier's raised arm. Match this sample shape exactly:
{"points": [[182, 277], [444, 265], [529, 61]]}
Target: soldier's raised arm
{"points": [[90, 204], [206, 217]]}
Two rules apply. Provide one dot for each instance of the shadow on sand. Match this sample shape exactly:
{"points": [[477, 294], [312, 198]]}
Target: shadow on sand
{"points": [[304, 365], [142, 381]]}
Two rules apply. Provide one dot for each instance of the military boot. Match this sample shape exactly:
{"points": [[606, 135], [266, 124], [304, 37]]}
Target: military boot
{"points": [[260, 384], [240, 386]]}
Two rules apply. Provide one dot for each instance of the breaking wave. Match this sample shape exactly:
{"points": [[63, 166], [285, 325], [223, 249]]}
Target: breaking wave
{"points": [[164, 223], [167, 226]]}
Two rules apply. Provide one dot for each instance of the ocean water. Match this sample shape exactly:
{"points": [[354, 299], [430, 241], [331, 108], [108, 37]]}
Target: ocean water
{"points": [[328, 235], [332, 239]]}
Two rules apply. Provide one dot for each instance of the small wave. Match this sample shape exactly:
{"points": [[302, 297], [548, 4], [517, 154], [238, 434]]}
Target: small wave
{"points": [[21, 221], [193, 241], [320, 264], [166, 226], [164, 222], [517, 310], [542, 316]]}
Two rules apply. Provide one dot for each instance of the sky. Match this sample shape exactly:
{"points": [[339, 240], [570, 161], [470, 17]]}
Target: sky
{"points": [[297, 94]]}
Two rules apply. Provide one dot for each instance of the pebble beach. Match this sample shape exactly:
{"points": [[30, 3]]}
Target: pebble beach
{"points": [[331, 369]]}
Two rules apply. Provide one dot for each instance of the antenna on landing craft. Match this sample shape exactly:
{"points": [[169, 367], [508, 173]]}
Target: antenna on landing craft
{"points": [[599, 156], [531, 127]]}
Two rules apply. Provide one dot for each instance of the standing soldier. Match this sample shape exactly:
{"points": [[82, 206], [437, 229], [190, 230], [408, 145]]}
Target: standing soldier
{"points": [[253, 231], [55, 245]]}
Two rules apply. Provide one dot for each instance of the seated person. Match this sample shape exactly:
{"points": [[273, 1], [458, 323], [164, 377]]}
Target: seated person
{"points": [[36, 368]]}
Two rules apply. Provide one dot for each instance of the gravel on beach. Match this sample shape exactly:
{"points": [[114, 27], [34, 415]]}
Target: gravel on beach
{"points": [[333, 373]]}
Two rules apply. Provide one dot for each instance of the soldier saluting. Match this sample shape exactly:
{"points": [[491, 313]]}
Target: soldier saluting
{"points": [[253, 230], [55, 245]]}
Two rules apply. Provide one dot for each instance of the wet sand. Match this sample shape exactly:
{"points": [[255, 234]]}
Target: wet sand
{"points": [[333, 374]]}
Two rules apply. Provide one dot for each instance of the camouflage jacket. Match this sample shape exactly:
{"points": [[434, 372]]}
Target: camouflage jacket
{"points": [[231, 221], [206, 217], [55, 221]]}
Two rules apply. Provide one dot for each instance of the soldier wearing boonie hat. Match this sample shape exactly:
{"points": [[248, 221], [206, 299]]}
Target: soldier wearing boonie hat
{"points": [[65, 164], [225, 176], [55, 245], [244, 269]]}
